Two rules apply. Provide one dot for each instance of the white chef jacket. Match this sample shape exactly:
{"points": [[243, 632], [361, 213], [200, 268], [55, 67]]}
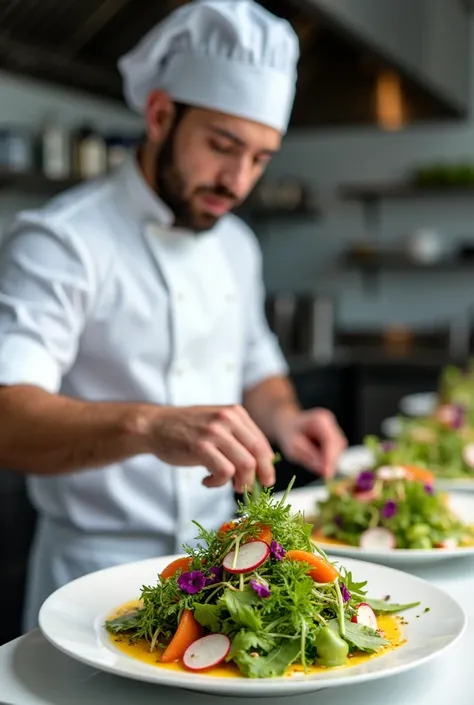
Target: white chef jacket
{"points": [[100, 299]]}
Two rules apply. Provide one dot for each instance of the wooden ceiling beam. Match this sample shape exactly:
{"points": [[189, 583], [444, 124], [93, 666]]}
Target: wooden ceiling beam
{"points": [[33, 60], [95, 22]]}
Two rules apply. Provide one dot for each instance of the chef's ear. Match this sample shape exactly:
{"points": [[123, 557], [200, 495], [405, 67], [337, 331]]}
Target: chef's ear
{"points": [[159, 114]]}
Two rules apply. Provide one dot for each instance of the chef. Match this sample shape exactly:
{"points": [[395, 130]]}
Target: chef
{"points": [[140, 384]]}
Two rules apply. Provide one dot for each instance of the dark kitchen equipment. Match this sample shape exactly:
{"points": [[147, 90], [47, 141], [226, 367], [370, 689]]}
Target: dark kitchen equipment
{"points": [[304, 324]]}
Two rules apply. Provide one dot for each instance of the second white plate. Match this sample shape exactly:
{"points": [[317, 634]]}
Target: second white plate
{"points": [[304, 500], [422, 404]]}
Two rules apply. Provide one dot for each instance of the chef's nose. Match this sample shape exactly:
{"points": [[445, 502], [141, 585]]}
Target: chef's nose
{"points": [[238, 177]]}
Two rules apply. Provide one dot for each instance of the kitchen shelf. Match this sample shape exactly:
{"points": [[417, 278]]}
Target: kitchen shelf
{"points": [[275, 213], [402, 190], [400, 262], [370, 196], [34, 182]]}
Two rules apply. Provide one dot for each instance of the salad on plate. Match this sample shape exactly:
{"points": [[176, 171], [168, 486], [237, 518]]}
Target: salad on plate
{"points": [[390, 507], [444, 444], [257, 599]]}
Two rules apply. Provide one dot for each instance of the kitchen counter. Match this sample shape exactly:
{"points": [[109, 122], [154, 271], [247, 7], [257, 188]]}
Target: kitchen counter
{"points": [[32, 672]]}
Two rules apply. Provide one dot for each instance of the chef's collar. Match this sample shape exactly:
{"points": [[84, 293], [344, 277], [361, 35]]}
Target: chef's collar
{"points": [[146, 205]]}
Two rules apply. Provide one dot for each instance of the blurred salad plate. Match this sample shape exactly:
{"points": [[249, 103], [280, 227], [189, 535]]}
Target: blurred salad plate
{"points": [[386, 516], [442, 443]]}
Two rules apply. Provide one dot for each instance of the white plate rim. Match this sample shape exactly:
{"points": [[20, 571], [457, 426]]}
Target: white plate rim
{"points": [[257, 687]]}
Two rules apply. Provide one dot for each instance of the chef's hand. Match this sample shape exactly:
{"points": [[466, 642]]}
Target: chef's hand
{"points": [[312, 439], [223, 439]]}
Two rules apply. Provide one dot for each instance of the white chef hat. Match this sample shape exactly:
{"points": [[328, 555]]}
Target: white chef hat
{"points": [[227, 55]]}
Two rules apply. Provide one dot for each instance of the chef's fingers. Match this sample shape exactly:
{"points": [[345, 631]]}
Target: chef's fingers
{"points": [[239, 423], [305, 452], [331, 441], [220, 468], [244, 462], [226, 441], [239, 416]]}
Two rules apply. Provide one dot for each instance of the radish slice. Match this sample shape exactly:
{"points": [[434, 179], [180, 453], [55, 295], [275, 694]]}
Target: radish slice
{"points": [[365, 615], [447, 543], [468, 454], [446, 414], [206, 652], [368, 496], [377, 539], [250, 556], [391, 472]]}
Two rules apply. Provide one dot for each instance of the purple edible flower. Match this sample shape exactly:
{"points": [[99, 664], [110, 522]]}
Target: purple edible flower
{"points": [[277, 551], [429, 489], [387, 446], [458, 416], [365, 481], [389, 509], [261, 589], [192, 582], [346, 595], [215, 575]]}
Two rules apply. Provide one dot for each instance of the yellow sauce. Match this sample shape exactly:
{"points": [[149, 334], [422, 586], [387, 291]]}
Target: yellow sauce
{"points": [[330, 540], [388, 625]]}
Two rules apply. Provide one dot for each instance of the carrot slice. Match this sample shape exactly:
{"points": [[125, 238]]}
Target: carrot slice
{"points": [[227, 526], [188, 631], [321, 571], [414, 472], [265, 534], [182, 563]]}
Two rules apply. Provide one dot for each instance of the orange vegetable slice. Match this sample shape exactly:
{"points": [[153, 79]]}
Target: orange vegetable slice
{"points": [[182, 563], [414, 472], [321, 570], [188, 631], [227, 526], [265, 533]]}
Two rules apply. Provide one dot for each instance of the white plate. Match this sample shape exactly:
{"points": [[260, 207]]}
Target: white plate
{"points": [[72, 620], [354, 459], [304, 500], [357, 458], [422, 404], [391, 427]]}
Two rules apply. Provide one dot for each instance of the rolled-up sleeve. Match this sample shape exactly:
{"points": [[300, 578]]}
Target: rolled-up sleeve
{"points": [[46, 287], [263, 356]]}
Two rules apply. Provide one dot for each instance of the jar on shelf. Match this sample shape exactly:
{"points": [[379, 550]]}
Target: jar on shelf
{"points": [[55, 150], [90, 153], [16, 150]]}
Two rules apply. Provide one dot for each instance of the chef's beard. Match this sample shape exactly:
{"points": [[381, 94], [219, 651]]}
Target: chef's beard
{"points": [[172, 189]]}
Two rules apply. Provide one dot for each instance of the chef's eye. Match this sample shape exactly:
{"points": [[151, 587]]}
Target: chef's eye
{"points": [[220, 148], [261, 160]]}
